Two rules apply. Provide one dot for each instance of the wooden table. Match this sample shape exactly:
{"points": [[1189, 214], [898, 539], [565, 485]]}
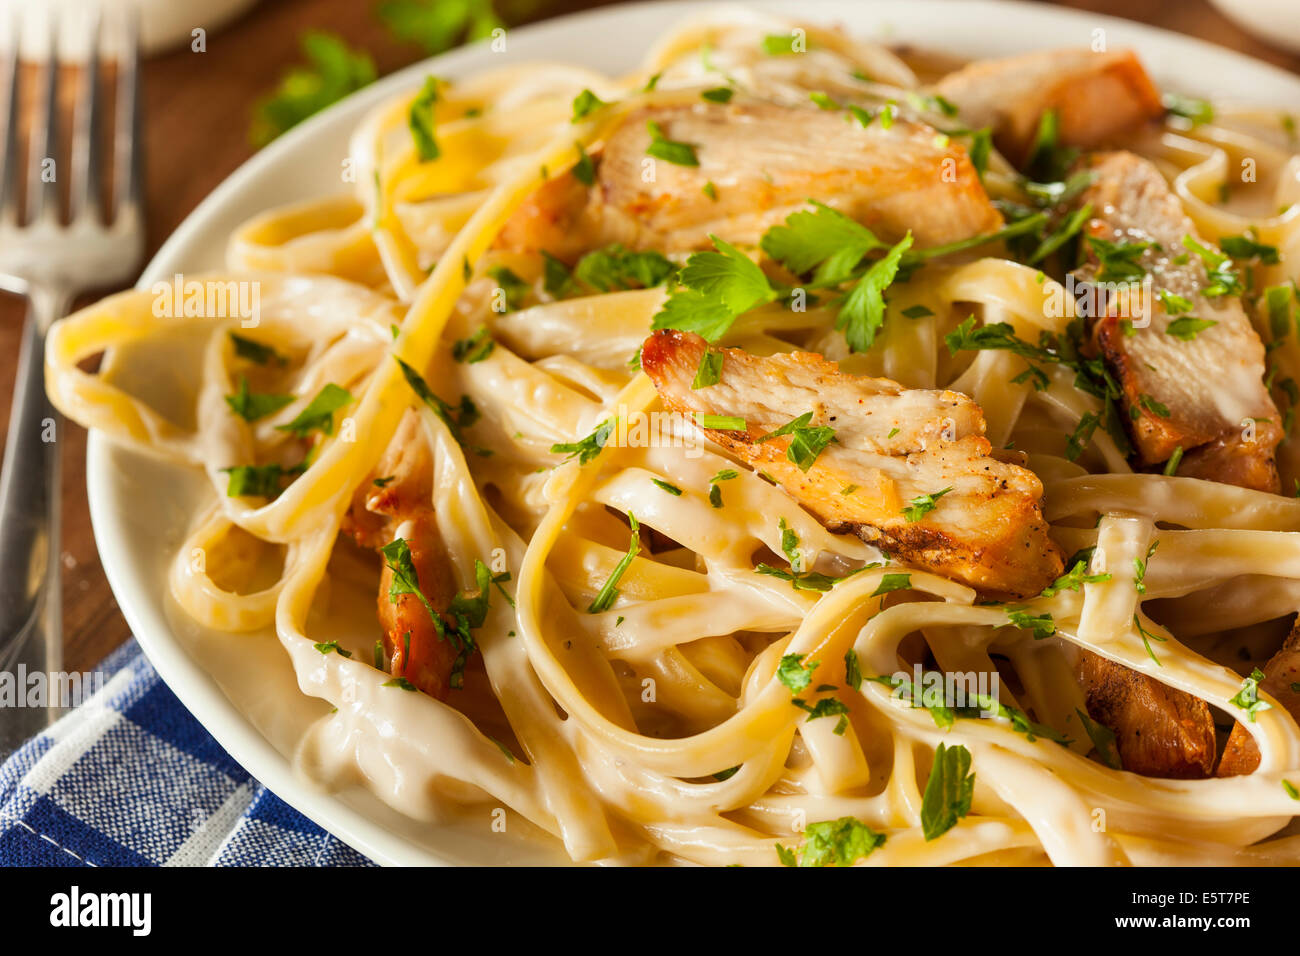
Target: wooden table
{"points": [[197, 111]]}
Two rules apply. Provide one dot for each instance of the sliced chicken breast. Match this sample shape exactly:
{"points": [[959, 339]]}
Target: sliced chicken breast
{"points": [[1281, 680], [758, 163], [397, 502], [1210, 382], [1159, 731], [891, 445], [1097, 97]]}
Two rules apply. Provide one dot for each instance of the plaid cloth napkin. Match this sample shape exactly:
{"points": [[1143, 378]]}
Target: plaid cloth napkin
{"points": [[130, 778]]}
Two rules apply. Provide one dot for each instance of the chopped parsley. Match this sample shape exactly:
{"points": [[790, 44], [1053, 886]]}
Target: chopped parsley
{"points": [[1248, 697], [709, 371], [794, 674], [1151, 405], [513, 288], [1175, 459], [1140, 568], [587, 448], [608, 593], [584, 170], [725, 423], [1074, 579], [948, 792], [1103, 738], [1041, 624], [1189, 107], [319, 413], [1187, 327], [584, 104], [839, 842], [922, 505], [671, 151], [807, 441], [420, 120], [892, 582], [456, 418], [475, 348], [614, 268], [251, 406], [328, 647], [1118, 261], [715, 288], [1147, 638], [1243, 248], [258, 480], [256, 352]]}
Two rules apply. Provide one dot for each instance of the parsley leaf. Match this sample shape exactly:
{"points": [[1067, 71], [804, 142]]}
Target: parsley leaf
{"points": [[319, 413], [608, 593], [672, 151], [922, 505], [585, 103], [1187, 327], [420, 120], [455, 418], [839, 842], [256, 352], [615, 267], [807, 442], [948, 792], [257, 480], [863, 312], [1074, 579], [250, 406], [1189, 107], [1041, 624], [716, 287], [794, 674], [475, 348], [823, 239], [1248, 697], [397, 557], [1103, 738], [892, 582], [709, 371], [587, 448]]}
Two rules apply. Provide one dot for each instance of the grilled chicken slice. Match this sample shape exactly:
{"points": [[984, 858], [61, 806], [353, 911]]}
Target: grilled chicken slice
{"points": [[892, 444], [403, 508], [1159, 731], [1282, 677], [1097, 97], [1220, 412], [765, 161]]}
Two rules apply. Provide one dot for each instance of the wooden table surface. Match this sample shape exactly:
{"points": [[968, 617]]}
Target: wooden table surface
{"points": [[197, 111]]}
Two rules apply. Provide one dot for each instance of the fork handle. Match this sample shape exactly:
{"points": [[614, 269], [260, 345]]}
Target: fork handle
{"points": [[30, 605]]}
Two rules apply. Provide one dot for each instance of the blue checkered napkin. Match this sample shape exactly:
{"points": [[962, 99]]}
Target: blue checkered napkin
{"points": [[130, 778]]}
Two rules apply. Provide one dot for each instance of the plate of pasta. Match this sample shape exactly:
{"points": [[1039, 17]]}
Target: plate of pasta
{"points": [[782, 434]]}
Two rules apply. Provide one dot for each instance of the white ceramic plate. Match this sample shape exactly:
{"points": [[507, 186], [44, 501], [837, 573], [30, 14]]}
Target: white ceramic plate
{"points": [[139, 507]]}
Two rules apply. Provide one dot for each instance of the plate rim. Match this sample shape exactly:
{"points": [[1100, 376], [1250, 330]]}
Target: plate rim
{"points": [[196, 689]]}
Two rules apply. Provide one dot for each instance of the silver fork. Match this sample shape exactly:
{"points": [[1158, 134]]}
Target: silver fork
{"points": [[50, 263]]}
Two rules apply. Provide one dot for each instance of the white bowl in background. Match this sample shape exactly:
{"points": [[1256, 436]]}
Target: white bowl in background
{"points": [[1276, 22], [164, 24]]}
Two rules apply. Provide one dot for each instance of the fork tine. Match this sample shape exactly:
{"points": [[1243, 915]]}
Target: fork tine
{"points": [[43, 191], [9, 183], [127, 158], [83, 199]]}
